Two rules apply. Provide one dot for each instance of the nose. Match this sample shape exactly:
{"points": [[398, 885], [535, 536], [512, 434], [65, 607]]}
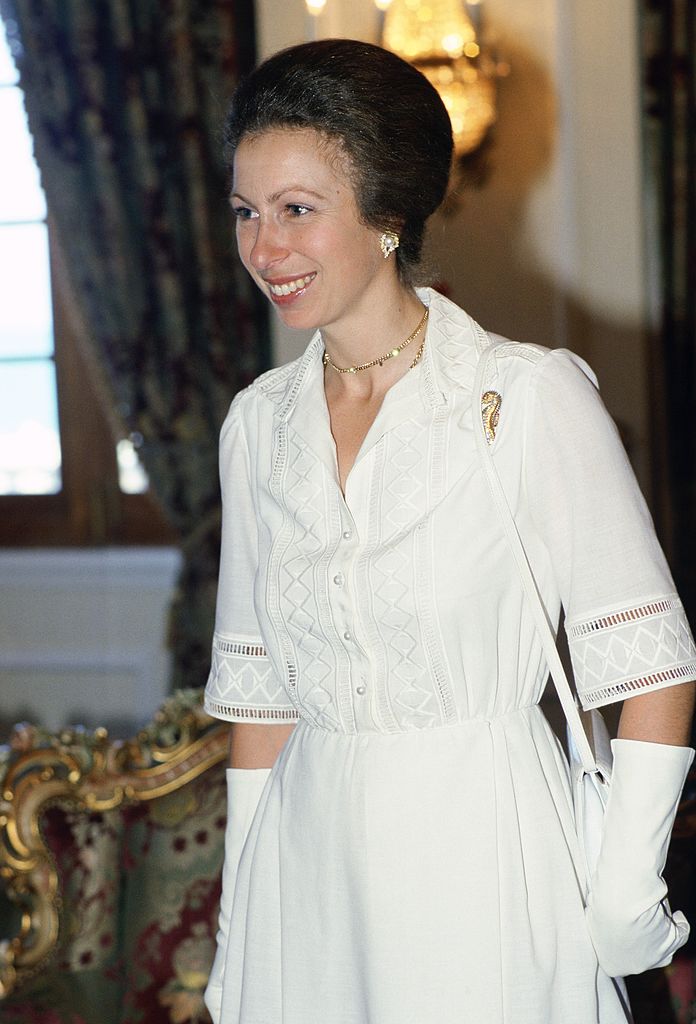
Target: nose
{"points": [[268, 247]]}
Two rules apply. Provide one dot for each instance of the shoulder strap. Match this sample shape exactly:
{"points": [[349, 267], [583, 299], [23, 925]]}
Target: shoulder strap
{"points": [[536, 605]]}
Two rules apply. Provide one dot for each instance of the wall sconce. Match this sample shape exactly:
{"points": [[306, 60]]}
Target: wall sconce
{"points": [[315, 7], [442, 38]]}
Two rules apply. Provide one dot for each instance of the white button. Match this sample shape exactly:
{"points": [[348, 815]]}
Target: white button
{"points": [[347, 635], [338, 579], [347, 534], [360, 690]]}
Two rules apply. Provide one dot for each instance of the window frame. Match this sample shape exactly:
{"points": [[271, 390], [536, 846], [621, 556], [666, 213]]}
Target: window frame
{"points": [[90, 510]]}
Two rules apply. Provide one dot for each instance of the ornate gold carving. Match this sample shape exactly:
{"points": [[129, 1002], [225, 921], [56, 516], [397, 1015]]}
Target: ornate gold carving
{"points": [[490, 411], [90, 772]]}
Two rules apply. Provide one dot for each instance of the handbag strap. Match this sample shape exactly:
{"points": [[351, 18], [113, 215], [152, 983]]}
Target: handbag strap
{"points": [[536, 605]]}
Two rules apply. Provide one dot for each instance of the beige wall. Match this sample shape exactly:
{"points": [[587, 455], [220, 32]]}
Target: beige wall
{"points": [[550, 250]]}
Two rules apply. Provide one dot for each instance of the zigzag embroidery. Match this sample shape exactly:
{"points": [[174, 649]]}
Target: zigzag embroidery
{"points": [[645, 647]]}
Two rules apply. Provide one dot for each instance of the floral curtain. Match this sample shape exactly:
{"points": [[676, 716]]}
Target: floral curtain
{"points": [[126, 100], [669, 129]]}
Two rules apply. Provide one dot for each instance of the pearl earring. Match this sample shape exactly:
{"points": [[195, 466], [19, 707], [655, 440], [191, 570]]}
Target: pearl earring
{"points": [[388, 242]]}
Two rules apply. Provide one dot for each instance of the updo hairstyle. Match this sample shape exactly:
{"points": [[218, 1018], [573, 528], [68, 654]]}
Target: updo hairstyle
{"points": [[385, 115]]}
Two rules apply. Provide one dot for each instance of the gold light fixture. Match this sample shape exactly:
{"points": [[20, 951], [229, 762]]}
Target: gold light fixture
{"points": [[440, 39], [315, 7]]}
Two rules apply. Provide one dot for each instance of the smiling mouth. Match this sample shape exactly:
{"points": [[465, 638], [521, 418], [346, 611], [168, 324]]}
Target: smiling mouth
{"points": [[289, 287]]}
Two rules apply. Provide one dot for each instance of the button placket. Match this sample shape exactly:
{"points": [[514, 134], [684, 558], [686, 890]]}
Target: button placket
{"points": [[343, 609]]}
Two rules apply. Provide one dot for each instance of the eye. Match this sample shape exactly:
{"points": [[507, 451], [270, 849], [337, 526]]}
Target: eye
{"points": [[298, 209], [244, 213]]}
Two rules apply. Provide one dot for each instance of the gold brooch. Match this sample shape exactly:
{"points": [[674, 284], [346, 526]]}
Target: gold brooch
{"points": [[490, 412]]}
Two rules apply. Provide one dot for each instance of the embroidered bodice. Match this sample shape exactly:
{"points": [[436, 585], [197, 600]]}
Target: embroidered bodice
{"points": [[398, 607]]}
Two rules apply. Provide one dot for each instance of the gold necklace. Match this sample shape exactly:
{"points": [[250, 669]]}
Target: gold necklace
{"points": [[419, 353], [328, 361]]}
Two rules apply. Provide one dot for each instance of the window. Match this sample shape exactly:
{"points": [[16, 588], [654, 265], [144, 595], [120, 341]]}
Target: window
{"points": [[65, 475], [30, 458]]}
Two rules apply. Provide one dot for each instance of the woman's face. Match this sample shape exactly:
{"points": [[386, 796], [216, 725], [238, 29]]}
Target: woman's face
{"points": [[299, 230]]}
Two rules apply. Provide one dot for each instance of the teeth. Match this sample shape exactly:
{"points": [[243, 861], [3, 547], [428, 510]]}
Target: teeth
{"points": [[291, 286]]}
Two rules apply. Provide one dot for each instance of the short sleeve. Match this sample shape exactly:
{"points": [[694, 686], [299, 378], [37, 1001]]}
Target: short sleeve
{"points": [[627, 630], [242, 686]]}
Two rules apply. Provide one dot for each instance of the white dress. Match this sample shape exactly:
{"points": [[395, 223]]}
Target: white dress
{"points": [[412, 859]]}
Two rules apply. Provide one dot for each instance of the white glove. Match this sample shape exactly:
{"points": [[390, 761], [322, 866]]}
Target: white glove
{"points": [[628, 915], [244, 788]]}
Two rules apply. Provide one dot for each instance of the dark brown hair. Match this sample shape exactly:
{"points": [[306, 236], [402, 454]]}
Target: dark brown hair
{"points": [[387, 117]]}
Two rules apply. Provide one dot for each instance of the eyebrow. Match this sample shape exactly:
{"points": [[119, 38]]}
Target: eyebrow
{"points": [[283, 191]]}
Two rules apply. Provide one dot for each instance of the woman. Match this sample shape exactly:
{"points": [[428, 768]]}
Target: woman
{"points": [[400, 848]]}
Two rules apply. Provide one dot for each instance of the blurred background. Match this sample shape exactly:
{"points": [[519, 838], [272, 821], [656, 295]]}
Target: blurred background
{"points": [[127, 325]]}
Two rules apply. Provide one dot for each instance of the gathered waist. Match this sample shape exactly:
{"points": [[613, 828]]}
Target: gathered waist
{"points": [[465, 726], [473, 745]]}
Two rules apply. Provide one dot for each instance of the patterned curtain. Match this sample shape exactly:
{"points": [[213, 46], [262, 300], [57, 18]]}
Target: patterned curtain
{"points": [[669, 122], [126, 100], [668, 43]]}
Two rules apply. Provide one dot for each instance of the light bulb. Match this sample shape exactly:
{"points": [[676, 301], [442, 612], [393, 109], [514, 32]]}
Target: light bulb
{"points": [[315, 7], [382, 5]]}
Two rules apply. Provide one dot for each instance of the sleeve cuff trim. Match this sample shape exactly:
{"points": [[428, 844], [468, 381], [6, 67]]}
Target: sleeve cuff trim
{"points": [[631, 687], [238, 648], [249, 714], [611, 619]]}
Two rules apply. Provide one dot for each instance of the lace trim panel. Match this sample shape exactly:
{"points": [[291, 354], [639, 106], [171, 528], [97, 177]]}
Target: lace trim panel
{"points": [[239, 648], [666, 604], [237, 714], [242, 685], [656, 681], [627, 650]]}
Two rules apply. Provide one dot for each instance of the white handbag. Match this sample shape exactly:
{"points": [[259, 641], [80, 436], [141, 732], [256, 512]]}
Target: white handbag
{"points": [[589, 746]]}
